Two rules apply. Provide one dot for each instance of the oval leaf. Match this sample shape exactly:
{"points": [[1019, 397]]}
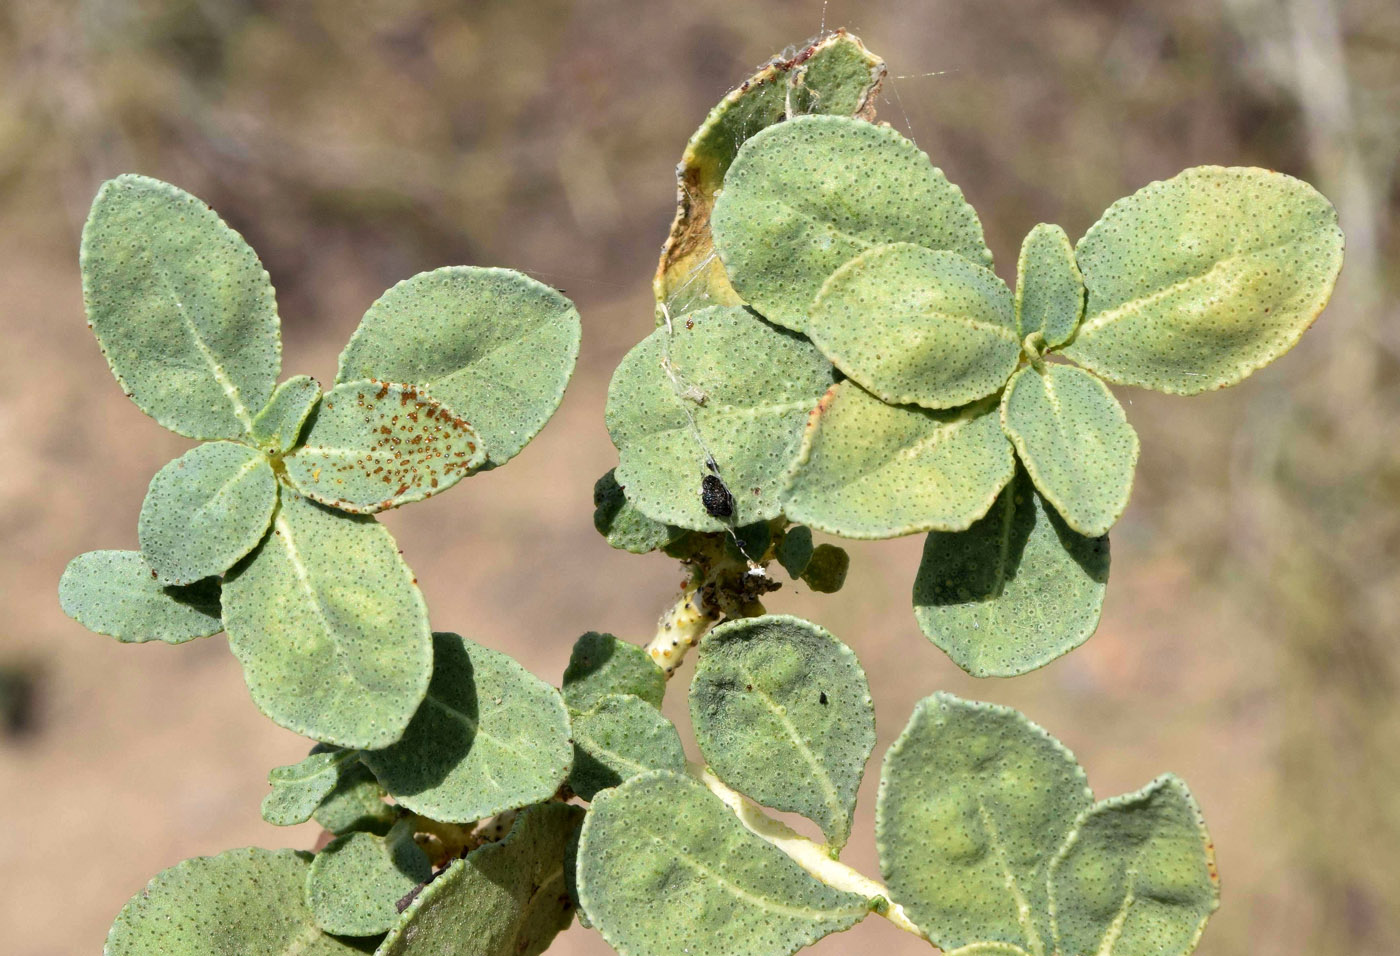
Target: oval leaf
{"points": [[975, 800], [917, 326], [1049, 288], [665, 869], [1075, 441], [181, 306], [376, 445], [117, 594], [493, 345], [623, 525], [1202, 279], [727, 382], [837, 74], [489, 737], [299, 789], [1013, 592], [330, 627], [621, 737], [601, 665], [503, 899], [805, 196], [872, 470], [1137, 875], [279, 425], [239, 903], [826, 572], [782, 712], [357, 881], [205, 510], [356, 803]]}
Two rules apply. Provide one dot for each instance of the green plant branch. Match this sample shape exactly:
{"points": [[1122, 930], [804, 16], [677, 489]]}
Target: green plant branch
{"points": [[813, 857]]}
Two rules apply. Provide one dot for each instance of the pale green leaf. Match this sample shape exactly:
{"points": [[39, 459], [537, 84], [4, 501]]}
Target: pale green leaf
{"points": [[624, 526], [1013, 592], [836, 75], [205, 510], [490, 736], [1075, 441], [278, 426], [1049, 288], [356, 803], [181, 306], [975, 800], [826, 571], [621, 737], [239, 903], [795, 550], [503, 899], [330, 627], [1198, 281], [665, 869], [1136, 877], [357, 881], [724, 381], [917, 326], [600, 665], [871, 470], [782, 712], [298, 789], [117, 594], [376, 445], [493, 345], [804, 196]]}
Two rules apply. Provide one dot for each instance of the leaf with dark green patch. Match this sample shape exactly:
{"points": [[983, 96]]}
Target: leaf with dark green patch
{"points": [[917, 326], [620, 737], [1049, 288], [1075, 440], [493, 345], [624, 526], [116, 593], [181, 306], [795, 550], [278, 426], [330, 627], [376, 445], [724, 383], [504, 899], [490, 736], [601, 665], [299, 788], [665, 869], [205, 510], [782, 712], [1013, 592], [1137, 875], [871, 470], [826, 571], [239, 903], [805, 196], [975, 800], [1198, 281], [357, 881]]}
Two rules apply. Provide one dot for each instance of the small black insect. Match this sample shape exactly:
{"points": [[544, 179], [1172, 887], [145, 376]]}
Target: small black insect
{"points": [[823, 697], [718, 502]]}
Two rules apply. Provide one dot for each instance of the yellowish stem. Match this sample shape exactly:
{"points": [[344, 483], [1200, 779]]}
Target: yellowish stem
{"points": [[679, 629]]}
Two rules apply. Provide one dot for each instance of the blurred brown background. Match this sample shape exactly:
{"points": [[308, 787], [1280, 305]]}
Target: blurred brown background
{"points": [[1249, 637]]}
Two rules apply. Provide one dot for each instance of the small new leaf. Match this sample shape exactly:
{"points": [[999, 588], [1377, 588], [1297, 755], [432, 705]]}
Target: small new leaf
{"points": [[1075, 441], [330, 627], [490, 736], [182, 308], [299, 789], [782, 712], [205, 510], [805, 196], [278, 426], [1013, 592], [356, 882], [601, 665], [826, 572], [1049, 288], [116, 593], [376, 445], [665, 869], [493, 345]]}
